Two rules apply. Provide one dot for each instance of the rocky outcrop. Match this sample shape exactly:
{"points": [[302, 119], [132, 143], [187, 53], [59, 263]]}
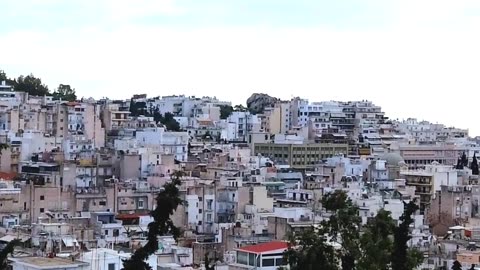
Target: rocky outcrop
{"points": [[257, 102]]}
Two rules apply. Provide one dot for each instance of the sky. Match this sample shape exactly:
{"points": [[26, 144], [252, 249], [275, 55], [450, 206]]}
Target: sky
{"points": [[415, 58]]}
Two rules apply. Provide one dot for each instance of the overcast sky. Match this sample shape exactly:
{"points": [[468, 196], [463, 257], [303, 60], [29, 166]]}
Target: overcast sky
{"points": [[415, 58]]}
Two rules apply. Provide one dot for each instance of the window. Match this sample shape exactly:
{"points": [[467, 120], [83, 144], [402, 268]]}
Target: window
{"points": [[140, 204], [102, 203], [268, 262], [116, 232], [42, 210], [242, 258], [199, 211], [251, 259], [42, 197], [106, 232], [200, 199], [111, 266]]}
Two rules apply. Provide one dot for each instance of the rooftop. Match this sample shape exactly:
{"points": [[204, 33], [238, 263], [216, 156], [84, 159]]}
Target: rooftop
{"points": [[48, 263], [264, 247]]}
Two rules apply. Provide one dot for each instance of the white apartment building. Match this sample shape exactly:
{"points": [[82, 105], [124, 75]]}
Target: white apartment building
{"points": [[169, 142], [244, 124]]}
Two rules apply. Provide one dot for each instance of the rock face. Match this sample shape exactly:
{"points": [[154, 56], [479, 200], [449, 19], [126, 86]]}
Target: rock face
{"points": [[257, 102]]}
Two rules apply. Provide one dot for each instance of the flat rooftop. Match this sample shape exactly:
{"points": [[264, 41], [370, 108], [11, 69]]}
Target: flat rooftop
{"points": [[48, 263]]}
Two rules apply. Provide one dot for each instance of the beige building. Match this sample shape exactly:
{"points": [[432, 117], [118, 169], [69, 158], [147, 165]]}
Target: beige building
{"points": [[451, 206], [301, 156]]}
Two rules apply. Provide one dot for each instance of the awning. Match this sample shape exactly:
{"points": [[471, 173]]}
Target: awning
{"points": [[69, 242]]}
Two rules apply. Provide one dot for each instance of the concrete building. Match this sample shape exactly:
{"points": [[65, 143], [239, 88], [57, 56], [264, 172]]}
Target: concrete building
{"points": [[304, 155]]}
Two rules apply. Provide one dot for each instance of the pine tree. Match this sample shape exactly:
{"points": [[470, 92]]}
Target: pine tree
{"points": [[474, 165], [404, 258], [167, 202], [456, 265], [464, 160], [459, 164]]}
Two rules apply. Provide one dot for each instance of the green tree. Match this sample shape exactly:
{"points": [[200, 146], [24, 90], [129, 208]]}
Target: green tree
{"points": [[169, 122], [309, 250], [240, 108], [474, 165], [5, 78], [65, 92], [225, 111], [167, 202], [343, 226], [5, 252], [404, 258], [3, 146], [209, 262], [138, 108], [464, 160], [32, 85], [456, 265], [376, 243]]}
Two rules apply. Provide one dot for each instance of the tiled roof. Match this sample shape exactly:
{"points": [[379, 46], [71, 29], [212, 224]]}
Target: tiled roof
{"points": [[7, 175], [265, 247]]}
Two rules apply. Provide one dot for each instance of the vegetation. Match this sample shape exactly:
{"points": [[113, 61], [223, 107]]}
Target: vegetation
{"points": [[7, 250], [35, 87], [341, 243], [167, 202], [474, 165], [225, 111], [168, 120], [404, 258], [65, 92], [456, 265]]}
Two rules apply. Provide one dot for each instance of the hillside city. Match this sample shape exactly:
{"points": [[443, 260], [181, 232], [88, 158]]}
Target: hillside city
{"points": [[185, 182]]}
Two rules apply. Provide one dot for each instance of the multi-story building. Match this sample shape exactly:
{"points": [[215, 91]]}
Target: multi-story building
{"points": [[302, 156]]}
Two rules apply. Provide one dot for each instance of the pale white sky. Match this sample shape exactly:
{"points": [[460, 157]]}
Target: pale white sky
{"points": [[415, 58]]}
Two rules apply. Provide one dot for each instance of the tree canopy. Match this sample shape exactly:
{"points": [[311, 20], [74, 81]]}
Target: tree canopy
{"points": [[340, 242], [167, 202], [65, 92], [225, 111], [474, 165], [35, 87], [5, 252]]}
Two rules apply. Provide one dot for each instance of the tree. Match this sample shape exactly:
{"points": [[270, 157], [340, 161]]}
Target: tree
{"points": [[225, 111], [65, 92], [240, 108], [459, 165], [3, 146], [32, 85], [4, 78], [343, 226], [472, 267], [167, 202], [309, 250], [456, 265], [464, 160], [169, 122], [376, 243], [209, 262], [7, 250], [474, 165], [404, 258], [138, 108]]}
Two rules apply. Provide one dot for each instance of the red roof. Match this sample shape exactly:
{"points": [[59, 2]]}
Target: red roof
{"points": [[7, 175], [264, 247], [128, 216]]}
